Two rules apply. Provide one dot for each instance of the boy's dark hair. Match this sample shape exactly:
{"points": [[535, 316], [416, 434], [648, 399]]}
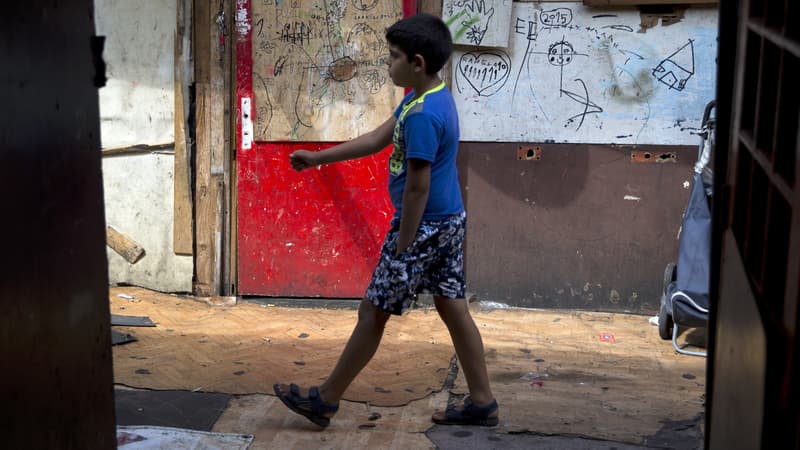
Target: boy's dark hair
{"points": [[425, 35]]}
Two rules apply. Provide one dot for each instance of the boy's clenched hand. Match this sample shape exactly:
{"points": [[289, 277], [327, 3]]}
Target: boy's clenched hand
{"points": [[303, 159]]}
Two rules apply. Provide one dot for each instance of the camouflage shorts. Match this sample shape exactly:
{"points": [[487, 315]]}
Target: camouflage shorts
{"points": [[433, 263]]}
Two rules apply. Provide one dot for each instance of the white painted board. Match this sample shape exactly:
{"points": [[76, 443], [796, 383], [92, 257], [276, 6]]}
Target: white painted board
{"points": [[137, 103], [483, 23], [575, 74], [138, 191]]}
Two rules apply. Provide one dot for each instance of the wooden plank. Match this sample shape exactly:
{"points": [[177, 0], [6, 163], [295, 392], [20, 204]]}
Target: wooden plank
{"points": [[219, 238], [212, 158], [232, 272], [205, 204], [138, 149], [200, 27], [205, 191], [435, 7], [182, 238], [230, 284], [229, 232], [123, 245], [430, 6], [222, 153]]}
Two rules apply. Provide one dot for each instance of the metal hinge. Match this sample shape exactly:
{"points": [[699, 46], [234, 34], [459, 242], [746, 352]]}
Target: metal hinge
{"points": [[247, 124]]}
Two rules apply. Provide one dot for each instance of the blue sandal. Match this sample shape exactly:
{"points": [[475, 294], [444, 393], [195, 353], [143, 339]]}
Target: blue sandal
{"points": [[312, 407], [469, 414]]}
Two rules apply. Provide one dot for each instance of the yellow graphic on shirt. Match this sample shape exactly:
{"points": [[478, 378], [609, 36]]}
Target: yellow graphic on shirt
{"points": [[398, 159], [397, 162]]}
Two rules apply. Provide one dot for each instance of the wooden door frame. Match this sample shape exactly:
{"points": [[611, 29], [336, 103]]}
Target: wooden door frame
{"points": [[754, 298], [212, 55], [213, 51]]}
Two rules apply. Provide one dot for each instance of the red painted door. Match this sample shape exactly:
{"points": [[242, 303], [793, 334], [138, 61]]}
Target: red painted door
{"points": [[312, 233], [315, 233]]}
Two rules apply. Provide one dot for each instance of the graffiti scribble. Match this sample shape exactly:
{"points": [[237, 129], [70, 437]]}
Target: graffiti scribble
{"points": [[588, 106]]}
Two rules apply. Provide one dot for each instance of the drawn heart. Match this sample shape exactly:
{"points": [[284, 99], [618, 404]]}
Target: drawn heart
{"points": [[486, 72]]}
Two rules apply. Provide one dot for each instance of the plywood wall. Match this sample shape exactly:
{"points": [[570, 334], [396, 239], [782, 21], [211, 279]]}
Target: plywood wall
{"points": [[137, 103], [137, 111], [320, 68], [577, 74]]}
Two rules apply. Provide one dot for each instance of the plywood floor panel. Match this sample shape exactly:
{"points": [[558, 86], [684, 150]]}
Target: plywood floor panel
{"points": [[602, 376], [245, 349], [553, 373], [276, 427]]}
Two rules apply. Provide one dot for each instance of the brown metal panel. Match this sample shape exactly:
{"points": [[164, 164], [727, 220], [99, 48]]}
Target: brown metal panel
{"points": [[57, 387], [582, 226]]}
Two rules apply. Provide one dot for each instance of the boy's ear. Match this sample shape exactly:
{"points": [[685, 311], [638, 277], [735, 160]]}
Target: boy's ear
{"points": [[419, 62]]}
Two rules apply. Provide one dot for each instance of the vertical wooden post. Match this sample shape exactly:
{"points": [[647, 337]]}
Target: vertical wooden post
{"points": [[203, 282], [212, 85], [435, 7], [226, 155], [182, 237]]}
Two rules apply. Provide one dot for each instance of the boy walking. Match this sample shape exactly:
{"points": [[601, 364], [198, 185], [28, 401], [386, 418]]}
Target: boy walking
{"points": [[424, 247]]}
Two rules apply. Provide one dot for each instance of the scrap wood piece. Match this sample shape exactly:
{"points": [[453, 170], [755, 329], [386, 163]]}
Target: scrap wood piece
{"points": [[123, 245], [166, 148]]}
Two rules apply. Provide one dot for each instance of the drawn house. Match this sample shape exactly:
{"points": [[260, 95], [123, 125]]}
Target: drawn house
{"points": [[677, 68]]}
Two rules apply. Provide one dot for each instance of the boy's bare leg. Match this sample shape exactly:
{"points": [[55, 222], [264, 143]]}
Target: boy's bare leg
{"points": [[469, 347], [357, 353]]}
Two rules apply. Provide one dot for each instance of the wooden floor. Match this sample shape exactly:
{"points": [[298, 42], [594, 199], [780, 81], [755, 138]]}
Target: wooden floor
{"points": [[247, 348], [602, 376]]}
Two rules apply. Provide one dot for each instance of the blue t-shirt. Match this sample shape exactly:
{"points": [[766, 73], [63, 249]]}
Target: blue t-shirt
{"points": [[427, 129]]}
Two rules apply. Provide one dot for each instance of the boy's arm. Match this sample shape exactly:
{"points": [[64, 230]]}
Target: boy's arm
{"points": [[364, 145], [415, 197]]}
